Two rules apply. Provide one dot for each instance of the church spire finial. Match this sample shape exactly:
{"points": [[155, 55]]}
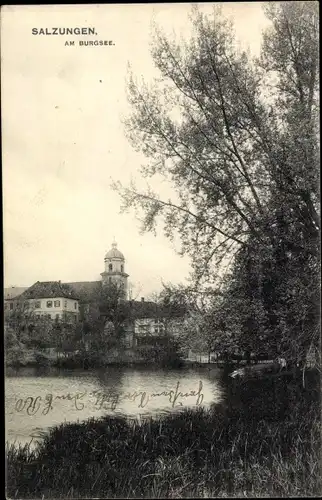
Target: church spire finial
{"points": [[114, 244]]}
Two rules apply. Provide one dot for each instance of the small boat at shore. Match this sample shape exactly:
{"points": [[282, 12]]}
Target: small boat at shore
{"points": [[252, 371]]}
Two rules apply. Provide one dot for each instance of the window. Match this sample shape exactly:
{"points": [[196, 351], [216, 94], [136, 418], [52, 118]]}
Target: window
{"points": [[65, 303], [110, 267], [159, 323], [11, 306], [127, 342], [37, 304], [110, 280], [57, 317], [75, 305], [122, 268], [49, 303], [145, 341], [57, 303]]}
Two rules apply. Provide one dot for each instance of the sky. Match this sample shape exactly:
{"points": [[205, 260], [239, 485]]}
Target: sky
{"points": [[64, 143]]}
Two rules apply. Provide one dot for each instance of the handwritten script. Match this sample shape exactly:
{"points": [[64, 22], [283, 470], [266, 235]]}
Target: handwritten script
{"points": [[102, 400]]}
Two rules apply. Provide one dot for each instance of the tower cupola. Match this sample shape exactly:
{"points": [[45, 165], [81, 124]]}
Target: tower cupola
{"points": [[115, 268]]}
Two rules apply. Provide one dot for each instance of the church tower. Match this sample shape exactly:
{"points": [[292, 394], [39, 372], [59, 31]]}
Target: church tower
{"points": [[114, 269]]}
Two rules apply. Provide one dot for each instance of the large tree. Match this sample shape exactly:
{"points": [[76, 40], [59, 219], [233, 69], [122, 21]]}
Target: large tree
{"points": [[103, 325], [237, 138]]}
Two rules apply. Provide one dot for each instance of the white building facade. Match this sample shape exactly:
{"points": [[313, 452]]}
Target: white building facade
{"points": [[58, 308], [49, 299]]}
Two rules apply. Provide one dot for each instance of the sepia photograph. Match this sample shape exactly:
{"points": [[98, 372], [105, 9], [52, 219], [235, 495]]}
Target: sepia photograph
{"points": [[161, 229]]}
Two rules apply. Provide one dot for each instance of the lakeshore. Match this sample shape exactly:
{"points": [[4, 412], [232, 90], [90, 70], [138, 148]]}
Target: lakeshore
{"points": [[263, 439]]}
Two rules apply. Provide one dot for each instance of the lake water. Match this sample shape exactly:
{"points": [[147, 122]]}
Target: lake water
{"points": [[36, 399]]}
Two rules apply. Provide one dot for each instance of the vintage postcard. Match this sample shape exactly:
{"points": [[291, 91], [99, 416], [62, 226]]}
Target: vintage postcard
{"points": [[161, 250]]}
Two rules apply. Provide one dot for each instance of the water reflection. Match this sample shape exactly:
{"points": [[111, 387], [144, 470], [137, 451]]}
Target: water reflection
{"points": [[38, 399]]}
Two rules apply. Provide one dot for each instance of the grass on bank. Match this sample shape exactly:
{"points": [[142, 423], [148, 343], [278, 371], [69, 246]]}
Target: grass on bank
{"points": [[246, 449]]}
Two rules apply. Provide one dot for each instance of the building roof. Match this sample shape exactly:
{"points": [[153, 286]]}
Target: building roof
{"points": [[114, 253], [48, 289], [148, 309], [144, 309], [13, 291], [85, 290]]}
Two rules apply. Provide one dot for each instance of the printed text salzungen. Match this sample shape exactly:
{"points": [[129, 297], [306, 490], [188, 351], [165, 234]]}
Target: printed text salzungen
{"points": [[63, 31]]}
